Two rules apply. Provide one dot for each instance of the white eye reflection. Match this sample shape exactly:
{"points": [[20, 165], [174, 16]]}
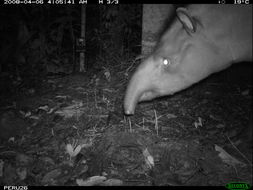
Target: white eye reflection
{"points": [[166, 61]]}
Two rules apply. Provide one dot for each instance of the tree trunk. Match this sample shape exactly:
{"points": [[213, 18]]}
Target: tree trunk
{"points": [[83, 67], [154, 21]]}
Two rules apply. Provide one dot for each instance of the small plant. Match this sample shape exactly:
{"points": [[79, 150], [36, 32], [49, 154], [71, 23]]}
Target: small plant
{"points": [[73, 149]]}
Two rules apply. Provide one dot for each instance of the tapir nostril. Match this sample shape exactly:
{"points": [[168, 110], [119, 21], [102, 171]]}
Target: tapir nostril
{"points": [[127, 112]]}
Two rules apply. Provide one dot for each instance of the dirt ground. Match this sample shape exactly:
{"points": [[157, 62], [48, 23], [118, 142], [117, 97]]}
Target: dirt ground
{"points": [[72, 131]]}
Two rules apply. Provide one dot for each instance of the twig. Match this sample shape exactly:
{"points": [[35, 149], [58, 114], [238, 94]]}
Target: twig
{"points": [[156, 123], [249, 162]]}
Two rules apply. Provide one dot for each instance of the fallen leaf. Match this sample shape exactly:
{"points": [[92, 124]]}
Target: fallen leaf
{"points": [[148, 158], [22, 173], [50, 176], [171, 116], [227, 158], [44, 108], [94, 180], [23, 160], [198, 123], [112, 182], [71, 151]]}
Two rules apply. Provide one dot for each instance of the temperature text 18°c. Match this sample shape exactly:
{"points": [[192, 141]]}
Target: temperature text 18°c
{"points": [[239, 2]]}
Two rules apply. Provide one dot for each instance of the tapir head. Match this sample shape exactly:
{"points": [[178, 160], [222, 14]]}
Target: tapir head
{"points": [[183, 56]]}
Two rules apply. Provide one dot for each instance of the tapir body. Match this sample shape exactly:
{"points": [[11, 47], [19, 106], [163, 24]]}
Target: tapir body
{"points": [[202, 39]]}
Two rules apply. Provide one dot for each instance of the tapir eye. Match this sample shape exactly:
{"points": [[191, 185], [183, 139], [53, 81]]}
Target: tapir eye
{"points": [[167, 61]]}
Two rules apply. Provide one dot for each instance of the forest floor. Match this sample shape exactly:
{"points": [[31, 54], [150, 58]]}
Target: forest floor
{"points": [[72, 131]]}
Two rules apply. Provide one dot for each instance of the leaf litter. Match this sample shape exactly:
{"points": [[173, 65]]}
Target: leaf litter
{"points": [[77, 134]]}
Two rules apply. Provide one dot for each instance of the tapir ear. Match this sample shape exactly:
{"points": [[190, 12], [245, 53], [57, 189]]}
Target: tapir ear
{"points": [[186, 19]]}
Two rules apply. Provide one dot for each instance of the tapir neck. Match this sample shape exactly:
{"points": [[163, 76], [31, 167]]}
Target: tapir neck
{"points": [[235, 39]]}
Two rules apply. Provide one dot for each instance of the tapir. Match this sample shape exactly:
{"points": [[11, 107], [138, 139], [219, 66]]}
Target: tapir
{"points": [[202, 39]]}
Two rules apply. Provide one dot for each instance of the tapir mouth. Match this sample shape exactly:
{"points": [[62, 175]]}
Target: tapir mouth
{"points": [[146, 95]]}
